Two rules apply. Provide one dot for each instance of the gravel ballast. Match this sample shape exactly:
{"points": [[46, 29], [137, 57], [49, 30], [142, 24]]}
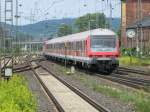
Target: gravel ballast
{"points": [[111, 103], [43, 101]]}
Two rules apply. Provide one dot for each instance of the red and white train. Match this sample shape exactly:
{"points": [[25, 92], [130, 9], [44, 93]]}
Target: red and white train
{"points": [[94, 49]]}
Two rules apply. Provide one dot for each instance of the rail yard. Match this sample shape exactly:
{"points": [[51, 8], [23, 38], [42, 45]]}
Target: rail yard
{"points": [[93, 56], [43, 69]]}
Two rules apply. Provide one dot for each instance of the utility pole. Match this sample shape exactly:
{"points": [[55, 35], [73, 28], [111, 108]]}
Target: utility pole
{"points": [[18, 40], [0, 13], [110, 20], [139, 28], [0, 38], [31, 22], [17, 46], [7, 39], [97, 17]]}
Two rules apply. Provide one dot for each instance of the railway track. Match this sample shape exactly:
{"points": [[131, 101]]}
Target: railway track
{"points": [[21, 69], [89, 103], [128, 81], [115, 77], [125, 69], [123, 77]]}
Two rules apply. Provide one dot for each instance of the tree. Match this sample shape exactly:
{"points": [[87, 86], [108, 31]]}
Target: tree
{"points": [[91, 21], [64, 29]]}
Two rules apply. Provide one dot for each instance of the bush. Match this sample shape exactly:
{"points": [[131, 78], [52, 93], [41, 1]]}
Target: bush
{"points": [[15, 96], [128, 51]]}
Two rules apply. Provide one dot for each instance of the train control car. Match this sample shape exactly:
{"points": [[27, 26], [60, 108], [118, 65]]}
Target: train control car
{"points": [[95, 49]]}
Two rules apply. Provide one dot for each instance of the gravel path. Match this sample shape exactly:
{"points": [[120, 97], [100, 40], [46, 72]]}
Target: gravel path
{"points": [[110, 103], [44, 103]]}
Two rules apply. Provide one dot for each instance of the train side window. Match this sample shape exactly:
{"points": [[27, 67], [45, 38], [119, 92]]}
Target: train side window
{"points": [[74, 45], [71, 45], [83, 43], [80, 45], [68, 46], [77, 46], [63, 45], [57, 45]]}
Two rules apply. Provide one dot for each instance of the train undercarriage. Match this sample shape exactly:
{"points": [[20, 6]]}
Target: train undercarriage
{"points": [[94, 65]]}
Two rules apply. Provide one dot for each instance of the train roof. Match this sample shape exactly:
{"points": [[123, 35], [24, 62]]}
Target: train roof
{"points": [[81, 36]]}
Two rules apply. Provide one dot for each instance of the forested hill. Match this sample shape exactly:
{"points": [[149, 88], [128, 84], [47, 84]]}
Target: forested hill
{"points": [[50, 27], [45, 28]]}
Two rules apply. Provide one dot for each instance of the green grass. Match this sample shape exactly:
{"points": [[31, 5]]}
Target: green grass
{"points": [[139, 99], [126, 60], [15, 96]]}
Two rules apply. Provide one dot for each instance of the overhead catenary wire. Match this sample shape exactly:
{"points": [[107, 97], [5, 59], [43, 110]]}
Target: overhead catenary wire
{"points": [[42, 12]]}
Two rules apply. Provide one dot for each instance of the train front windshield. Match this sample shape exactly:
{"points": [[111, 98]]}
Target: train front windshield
{"points": [[103, 43]]}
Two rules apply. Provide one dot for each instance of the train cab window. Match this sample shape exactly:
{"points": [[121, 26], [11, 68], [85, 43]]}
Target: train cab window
{"points": [[103, 43]]}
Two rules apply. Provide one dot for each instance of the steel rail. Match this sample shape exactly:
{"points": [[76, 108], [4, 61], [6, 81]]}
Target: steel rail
{"points": [[60, 109], [118, 78], [78, 92], [129, 83], [136, 80], [124, 69]]}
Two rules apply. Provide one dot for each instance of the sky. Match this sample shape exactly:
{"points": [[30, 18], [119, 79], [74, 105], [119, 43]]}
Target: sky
{"points": [[33, 11]]}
